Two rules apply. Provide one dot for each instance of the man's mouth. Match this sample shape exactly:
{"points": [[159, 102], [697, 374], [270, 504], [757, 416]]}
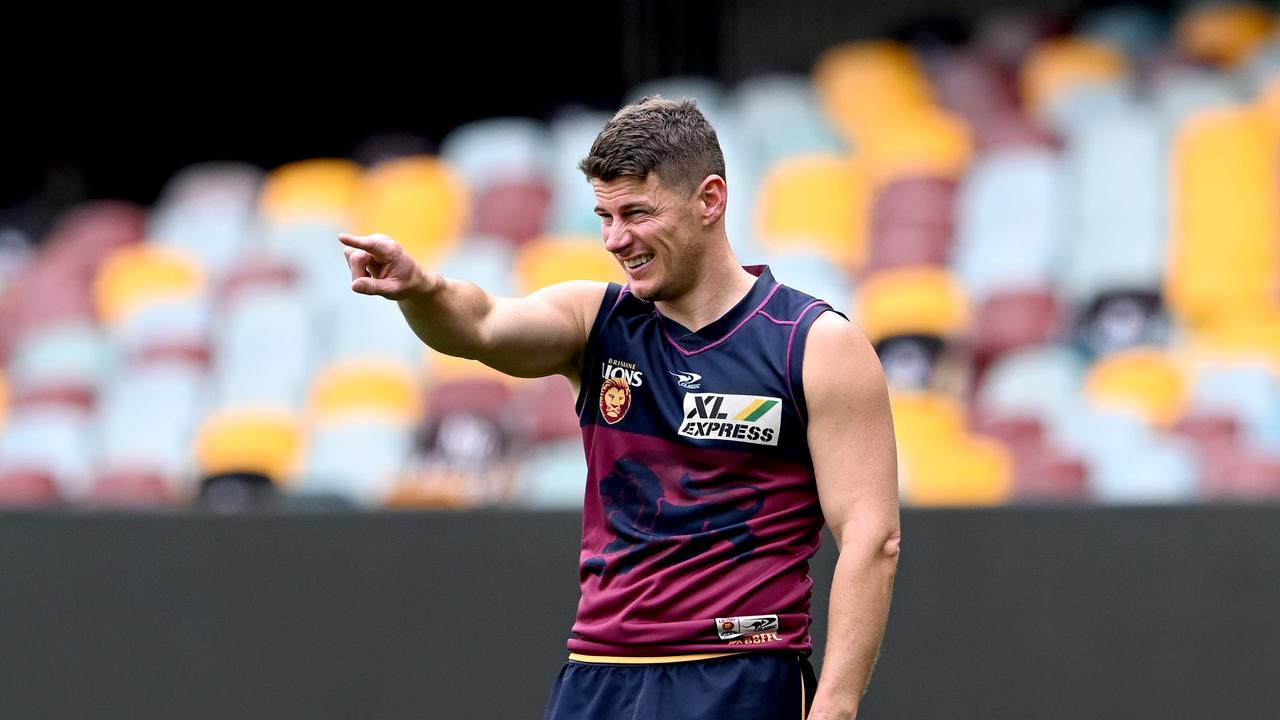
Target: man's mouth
{"points": [[638, 261]]}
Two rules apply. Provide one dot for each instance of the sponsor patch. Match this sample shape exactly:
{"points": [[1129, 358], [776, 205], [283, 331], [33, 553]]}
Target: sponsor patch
{"points": [[736, 418], [735, 627]]}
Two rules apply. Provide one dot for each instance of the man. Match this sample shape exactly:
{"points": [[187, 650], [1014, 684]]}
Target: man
{"points": [[724, 417]]}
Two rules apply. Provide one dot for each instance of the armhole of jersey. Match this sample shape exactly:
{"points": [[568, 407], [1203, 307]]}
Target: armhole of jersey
{"points": [[796, 359], [612, 295]]}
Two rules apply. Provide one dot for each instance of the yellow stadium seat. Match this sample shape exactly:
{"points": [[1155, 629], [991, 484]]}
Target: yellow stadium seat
{"points": [[446, 368], [135, 276], [912, 301], [1224, 216], [1148, 383], [961, 470], [820, 202], [251, 440], [419, 201], [1250, 332], [924, 143], [864, 85], [1225, 34], [549, 260], [373, 389], [921, 418], [1061, 65], [320, 189]]}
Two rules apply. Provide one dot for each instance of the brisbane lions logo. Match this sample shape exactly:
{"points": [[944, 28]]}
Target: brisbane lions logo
{"points": [[643, 519], [615, 399]]}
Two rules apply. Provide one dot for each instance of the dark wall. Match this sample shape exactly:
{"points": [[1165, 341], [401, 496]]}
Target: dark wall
{"points": [[1007, 613]]}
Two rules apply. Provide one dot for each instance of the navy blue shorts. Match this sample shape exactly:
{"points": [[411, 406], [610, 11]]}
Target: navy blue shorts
{"points": [[742, 686]]}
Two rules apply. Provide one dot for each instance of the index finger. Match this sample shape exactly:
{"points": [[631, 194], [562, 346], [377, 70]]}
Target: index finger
{"points": [[380, 247]]}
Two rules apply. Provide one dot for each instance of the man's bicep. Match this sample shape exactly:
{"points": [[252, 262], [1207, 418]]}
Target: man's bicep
{"points": [[850, 430], [544, 332]]}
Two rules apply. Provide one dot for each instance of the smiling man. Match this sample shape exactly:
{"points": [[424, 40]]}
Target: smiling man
{"points": [[724, 417]]}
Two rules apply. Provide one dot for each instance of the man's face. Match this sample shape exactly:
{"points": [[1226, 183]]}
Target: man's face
{"points": [[653, 231], [614, 399]]}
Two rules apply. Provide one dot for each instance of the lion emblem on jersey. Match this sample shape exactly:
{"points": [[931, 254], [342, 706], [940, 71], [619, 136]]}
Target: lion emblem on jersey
{"points": [[615, 399], [641, 516]]}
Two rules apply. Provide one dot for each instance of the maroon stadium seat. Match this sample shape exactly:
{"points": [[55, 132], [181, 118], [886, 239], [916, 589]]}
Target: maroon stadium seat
{"points": [[124, 487], [1011, 320], [547, 405], [909, 245], [516, 211], [1240, 473], [21, 487], [929, 200]]}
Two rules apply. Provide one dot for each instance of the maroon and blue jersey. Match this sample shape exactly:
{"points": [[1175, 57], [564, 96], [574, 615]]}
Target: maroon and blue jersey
{"points": [[701, 511]]}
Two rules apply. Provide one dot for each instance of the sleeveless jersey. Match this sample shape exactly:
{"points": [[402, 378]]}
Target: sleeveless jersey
{"points": [[701, 512]]}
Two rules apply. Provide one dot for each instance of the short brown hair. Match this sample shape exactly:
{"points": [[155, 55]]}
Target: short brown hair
{"points": [[658, 135]]}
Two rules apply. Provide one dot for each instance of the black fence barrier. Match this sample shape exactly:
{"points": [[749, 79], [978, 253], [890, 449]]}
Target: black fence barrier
{"points": [[1001, 613]]}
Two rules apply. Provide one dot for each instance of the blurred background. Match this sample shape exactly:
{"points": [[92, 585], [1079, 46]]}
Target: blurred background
{"points": [[1059, 225]]}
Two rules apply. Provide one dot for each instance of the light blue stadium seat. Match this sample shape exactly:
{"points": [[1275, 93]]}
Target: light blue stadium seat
{"points": [[1044, 382], [1250, 392], [1159, 470], [71, 354], [573, 202], [54, 440], [358, 461], [265, 350], [552, 475], [502, 148], [1116, 172], [810, 272], [148, 417], [1010, 222], [209, 210]]}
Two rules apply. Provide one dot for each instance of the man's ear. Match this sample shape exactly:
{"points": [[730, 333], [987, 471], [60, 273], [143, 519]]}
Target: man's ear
{"points": [[712, 197]]}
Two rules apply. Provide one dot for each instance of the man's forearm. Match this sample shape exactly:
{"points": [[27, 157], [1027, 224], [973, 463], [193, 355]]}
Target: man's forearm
{"points": [[860, 595], [448, 315]]}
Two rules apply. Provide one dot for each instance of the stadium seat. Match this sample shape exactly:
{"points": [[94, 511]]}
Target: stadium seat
{"points": [[1043, 382], [131, 488], [865, 85], [543, 412], [148, 417], [552, 476], [1008, 321], [24, 489], [1223, 257], [498, 149], [309, 190], [1246, 390], [1116, 170], [419, 201], [251, 440], [209, 210], [1147, 382], [356, 459], [818, 202], [1059, 66], [549, 260], [1155, 471], [50, 440], [572, 134], [912, 301], [927, 142], [370, 389], [1009, 229], [1224, 33], [515, 211], [265, 350], [133, 277]]}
